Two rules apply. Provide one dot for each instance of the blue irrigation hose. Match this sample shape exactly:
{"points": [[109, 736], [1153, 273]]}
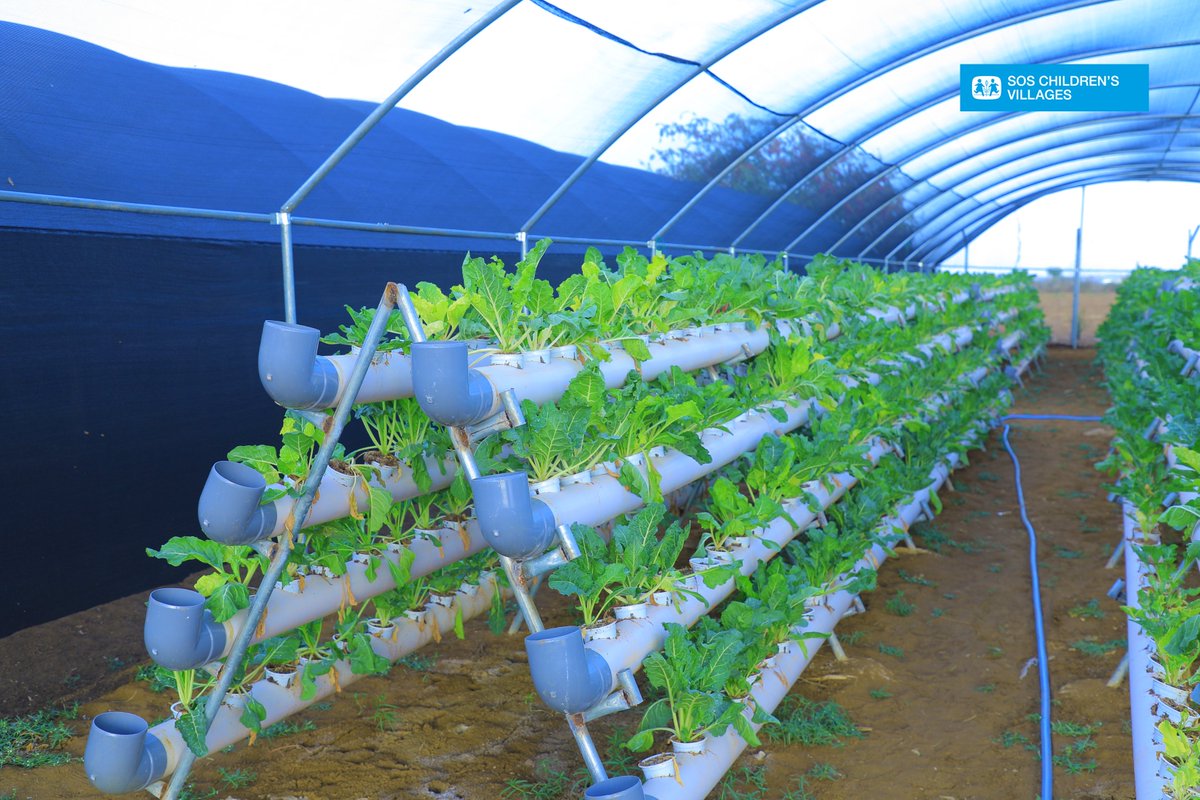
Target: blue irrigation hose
{"points": [[1047, 747]]}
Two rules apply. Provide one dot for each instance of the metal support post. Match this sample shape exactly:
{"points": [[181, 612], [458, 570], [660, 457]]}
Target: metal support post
{"points": [[284, 221], [1078, 272], [333, 430]]}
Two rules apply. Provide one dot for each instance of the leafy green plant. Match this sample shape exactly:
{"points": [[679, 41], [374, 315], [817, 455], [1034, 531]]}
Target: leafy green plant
{"points": [[37, 739], [692, 676]]}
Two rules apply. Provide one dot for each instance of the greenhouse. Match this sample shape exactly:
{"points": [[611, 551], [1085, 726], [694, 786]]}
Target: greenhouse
{"points": [[743, 400]]}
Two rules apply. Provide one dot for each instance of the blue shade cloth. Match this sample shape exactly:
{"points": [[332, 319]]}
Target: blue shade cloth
{"points": [[804, 125]]}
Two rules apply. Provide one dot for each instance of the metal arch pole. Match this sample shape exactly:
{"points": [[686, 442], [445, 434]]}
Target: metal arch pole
{"points": [[939, 143], [390, 102], [95, 204], [952, 209], [1066, 59], [959, 182], [645, 110], [364, 127], [861, 80], [951, 189], [1048, 186], [1070, 182], [1018, 198], [1078, 274]]}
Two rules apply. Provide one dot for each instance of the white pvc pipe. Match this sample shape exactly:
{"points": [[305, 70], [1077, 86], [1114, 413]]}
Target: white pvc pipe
{"points": [[1191, 357], [591, 504], [333, 495], [1147, 742], [605, 498], [1010, 341], [698, 774], [281, 702], [637, 638], [388, 378], [319, 596]]}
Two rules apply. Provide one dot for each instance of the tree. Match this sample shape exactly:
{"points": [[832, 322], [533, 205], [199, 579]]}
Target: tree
{"points": [[696, 149]]}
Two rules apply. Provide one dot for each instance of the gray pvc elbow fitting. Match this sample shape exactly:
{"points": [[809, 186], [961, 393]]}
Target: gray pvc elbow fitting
{"points": [[567, 676], [447, 389], [229, 509], [290, 369], [121, 756], [512, 523], [622, 787], [180, 632]]}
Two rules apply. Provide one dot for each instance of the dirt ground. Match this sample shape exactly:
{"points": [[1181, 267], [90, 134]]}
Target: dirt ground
{"points": [[1094, 302], [944, 712]]}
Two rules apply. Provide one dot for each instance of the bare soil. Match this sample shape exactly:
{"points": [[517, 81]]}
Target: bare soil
{"points": [[1095, 300], [461, 721]]}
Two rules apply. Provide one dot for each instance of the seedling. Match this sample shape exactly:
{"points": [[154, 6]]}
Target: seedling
{"points": [[1090, 647], [899, 606], [824, 772], [36, 740], [1089, 610], [287, 728], [1064, 552], [237, 778], [880, 694], [920, 580], [995, 652], [894, 652], [986, 688], [809, 722], [937, 612], [995, 568]]}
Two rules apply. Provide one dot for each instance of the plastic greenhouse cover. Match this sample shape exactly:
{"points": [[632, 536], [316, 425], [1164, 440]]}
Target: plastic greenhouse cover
{"points": [[809, 124]]}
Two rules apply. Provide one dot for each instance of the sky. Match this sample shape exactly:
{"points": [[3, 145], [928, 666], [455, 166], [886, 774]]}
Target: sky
{"points": [[364, 49], [1125, 224]]}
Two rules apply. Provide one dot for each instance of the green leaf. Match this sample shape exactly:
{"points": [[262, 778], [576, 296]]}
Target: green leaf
{"points": [[381, 502], [1184, 638], [227, 600], [458, 624], [636, 349], [179, 549], [193, 727], [253, 715], [640, 742]]}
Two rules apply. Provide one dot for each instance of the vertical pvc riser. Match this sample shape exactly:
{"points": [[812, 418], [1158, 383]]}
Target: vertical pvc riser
{"points": [[567, 676], [623, 787], [229, 509], [120, 757], [513, 523], [291, 371], [180, 632], [446, 388]]}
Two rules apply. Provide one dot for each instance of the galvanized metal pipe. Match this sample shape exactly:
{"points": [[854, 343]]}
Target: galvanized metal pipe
{"points": [[283, 546]]}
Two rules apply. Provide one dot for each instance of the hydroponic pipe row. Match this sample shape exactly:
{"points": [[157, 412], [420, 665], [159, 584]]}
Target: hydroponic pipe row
{"points": [[124, 754], [520, 527], [230, 510], [572, 678], [637, 636], [178, 637], [296, 377], [1150, 773], [1151, 327], [696, 774]]}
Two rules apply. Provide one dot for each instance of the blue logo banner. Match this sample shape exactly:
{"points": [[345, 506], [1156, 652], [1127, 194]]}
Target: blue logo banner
{"points": [[1054, 87]]}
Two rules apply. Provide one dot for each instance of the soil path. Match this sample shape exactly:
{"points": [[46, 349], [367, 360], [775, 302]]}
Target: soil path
{"points": [[460, 719], [956, 721]]}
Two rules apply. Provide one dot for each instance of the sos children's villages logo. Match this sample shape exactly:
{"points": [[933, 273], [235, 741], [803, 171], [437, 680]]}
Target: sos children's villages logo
{"points": [[986, 87], [1057, 87]]}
